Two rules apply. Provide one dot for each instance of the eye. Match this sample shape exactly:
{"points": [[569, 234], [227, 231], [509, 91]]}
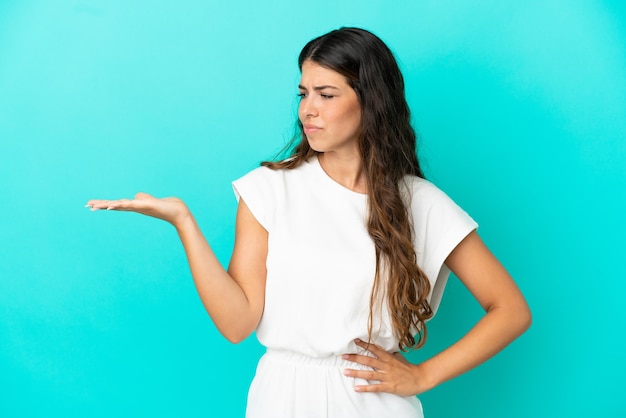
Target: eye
{"points": [[301, 95], [326, 96]]}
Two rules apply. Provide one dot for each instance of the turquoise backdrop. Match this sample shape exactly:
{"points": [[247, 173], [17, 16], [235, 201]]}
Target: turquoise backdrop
{"points": [[521, 108]]}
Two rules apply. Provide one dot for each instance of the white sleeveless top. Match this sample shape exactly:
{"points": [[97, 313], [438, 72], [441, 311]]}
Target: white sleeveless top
{"points": [[321, 260]]}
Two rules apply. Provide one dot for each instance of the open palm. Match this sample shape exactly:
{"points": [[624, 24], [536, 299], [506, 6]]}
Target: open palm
{"points": [[170, 209]]}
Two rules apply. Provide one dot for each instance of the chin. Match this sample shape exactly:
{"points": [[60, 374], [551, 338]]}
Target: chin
{"points": [[315, 147]]}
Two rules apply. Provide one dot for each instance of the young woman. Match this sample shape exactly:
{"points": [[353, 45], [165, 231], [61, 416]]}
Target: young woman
{"points": [[342, 251]]}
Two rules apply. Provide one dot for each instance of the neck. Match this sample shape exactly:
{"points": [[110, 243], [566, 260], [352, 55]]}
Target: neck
{"points": [[346, 170]]}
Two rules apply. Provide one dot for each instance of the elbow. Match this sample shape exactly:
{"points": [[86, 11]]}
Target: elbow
{"points": [[235, 339], [517, 316], [521, 318], [236, 328], [526, 318], [235, 336]]}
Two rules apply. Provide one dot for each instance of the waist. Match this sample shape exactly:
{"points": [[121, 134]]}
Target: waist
{"points": [[303, 360]]}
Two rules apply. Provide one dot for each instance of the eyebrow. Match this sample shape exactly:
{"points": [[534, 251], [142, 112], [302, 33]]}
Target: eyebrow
{"points": [[318, 88]]}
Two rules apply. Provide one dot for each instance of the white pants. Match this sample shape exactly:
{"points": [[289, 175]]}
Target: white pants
{"points": [[292, 385]]}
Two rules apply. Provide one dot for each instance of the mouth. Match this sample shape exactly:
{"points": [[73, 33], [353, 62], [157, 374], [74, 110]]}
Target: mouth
{"points": [[309, 129]]}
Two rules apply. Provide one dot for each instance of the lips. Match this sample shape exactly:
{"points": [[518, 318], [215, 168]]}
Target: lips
{"points": [[309, 129]]}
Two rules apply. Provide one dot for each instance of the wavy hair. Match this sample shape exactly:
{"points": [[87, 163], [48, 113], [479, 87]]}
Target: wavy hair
{"points": [[388, 151]]}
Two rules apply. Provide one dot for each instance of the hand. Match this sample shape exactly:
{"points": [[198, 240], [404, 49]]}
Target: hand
{"points": [[393, 372], [170, 209]]}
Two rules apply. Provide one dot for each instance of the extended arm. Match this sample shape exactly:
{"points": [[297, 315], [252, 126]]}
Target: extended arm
{"points": [[507, 316], [234, 299]]}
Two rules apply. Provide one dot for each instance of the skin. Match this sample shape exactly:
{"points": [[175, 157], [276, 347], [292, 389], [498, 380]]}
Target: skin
{"points": [[234, 298], [330, 114], [506, 317]]}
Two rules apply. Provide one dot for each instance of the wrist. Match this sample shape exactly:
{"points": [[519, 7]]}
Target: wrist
{"points": [[425, 377], [184, 220]]}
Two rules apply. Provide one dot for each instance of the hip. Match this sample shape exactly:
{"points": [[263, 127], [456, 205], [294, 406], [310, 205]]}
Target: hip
{"points": [[290, 384]]}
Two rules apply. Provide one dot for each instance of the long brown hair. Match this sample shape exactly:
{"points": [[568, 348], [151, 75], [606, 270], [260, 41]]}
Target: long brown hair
{"points": [[388, 151]]}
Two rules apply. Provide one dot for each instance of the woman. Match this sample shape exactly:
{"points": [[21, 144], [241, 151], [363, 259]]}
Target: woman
{"points": [[342, 251]]}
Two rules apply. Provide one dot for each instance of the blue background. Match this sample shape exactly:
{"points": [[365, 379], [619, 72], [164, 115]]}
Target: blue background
{"points": [[521, 107]]}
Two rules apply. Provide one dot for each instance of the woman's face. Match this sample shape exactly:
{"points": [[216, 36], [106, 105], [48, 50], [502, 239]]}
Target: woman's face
{"points": [[329, 110]]}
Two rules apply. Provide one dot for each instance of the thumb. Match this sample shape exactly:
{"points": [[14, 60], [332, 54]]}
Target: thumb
{"points": [[141, 195]]}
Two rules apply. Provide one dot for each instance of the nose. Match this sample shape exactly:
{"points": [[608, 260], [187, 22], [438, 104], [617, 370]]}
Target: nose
{"points": [[307, 108]]}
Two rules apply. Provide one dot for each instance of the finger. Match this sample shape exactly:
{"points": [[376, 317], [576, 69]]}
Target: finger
{"points": [[142, 195], [96, 204], [93, 202], [128, 205], [372, 348], [379, 387], [120, 204], [363, 374], [364, 360]]}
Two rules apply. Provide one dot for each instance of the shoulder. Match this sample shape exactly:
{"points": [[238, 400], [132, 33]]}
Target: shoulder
{"points": [[259, 190], [258, 174], [428, 203], [417, 184], [419, 191], [269, 182], [274, 174], [265, 190], [260, 178]]}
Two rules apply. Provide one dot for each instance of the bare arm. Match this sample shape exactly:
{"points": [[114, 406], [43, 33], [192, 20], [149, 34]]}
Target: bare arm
{"points": [[507, 316], [507, 313], [234, 299]]}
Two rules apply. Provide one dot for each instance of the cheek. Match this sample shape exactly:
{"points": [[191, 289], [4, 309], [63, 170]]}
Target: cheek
{"points": [[353, 118]]}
